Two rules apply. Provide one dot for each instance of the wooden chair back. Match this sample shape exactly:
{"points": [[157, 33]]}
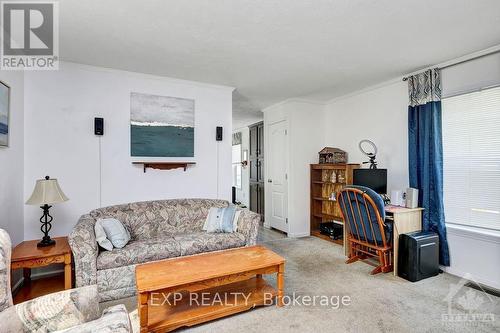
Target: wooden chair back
{"points": [[362, 218]]}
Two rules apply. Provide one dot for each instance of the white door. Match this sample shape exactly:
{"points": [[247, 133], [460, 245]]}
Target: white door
{"points": [[277, 177]]}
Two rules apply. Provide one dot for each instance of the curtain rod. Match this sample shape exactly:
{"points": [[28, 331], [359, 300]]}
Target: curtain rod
{"points": [[458, 62]]}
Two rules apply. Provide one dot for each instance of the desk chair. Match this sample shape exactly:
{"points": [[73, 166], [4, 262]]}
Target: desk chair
{"points": [[368, 235]]}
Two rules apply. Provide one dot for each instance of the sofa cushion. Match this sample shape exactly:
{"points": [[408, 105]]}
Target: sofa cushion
{"points": [[186, 215], [139, 251], [199, 242], [149, 219]]}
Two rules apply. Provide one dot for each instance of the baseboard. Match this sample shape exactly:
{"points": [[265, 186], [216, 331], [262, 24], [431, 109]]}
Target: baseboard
{"points": [[35, 276], [46, 274], [17, 286], [299, 234]]}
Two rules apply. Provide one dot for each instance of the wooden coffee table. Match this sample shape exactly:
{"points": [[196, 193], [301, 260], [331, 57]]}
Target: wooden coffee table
{"points": [[190, 290]]}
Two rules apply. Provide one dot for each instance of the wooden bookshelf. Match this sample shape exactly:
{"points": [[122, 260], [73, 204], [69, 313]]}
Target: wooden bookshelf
{"points": [[325, 180]]}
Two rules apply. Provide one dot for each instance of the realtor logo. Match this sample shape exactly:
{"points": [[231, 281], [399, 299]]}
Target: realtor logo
{"points": [[30, 35]]}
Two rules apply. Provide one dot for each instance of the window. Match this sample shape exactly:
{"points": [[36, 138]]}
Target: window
{"points": [[471, 159], [236, 162]]}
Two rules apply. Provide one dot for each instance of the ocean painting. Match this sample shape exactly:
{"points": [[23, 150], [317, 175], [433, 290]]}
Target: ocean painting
{"points": [[161, 126], [4, 114]]}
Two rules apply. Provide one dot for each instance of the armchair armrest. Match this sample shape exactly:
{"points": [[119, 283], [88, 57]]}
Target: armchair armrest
{"points": [[85, 250], [114, 319], [248, 225], [52, 312]]}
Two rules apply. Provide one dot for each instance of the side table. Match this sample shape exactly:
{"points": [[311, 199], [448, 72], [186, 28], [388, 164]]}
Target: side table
{"points": [[27, 255]]}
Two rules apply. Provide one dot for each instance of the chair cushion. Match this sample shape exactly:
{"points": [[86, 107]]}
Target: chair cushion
{"points": [[364, 220], [138, 252], [377, 199], [199, 242]]}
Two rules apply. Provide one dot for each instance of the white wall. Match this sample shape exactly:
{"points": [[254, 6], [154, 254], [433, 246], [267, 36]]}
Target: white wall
{"points": [[306, 136], [243, 193], [472, 75], [12, 161], [474, 252], [305, 139], [59, 110], [379, 115]]}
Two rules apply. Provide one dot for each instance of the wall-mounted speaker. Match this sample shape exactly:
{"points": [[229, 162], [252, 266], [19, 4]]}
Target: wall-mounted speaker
{"points": [[99, 126], [218, 133]]}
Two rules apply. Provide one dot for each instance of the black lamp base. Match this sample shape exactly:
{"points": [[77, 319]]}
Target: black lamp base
{"points": [[46, 226], [46, 241]]}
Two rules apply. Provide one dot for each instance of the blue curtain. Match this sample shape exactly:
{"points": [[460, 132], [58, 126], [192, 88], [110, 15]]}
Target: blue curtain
{"points": [[425, 149]]}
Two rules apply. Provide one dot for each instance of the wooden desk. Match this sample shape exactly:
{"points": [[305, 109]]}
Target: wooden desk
{"points": [[27, 255], [405, 220]]}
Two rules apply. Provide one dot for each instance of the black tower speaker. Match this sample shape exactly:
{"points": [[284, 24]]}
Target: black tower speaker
{"points": [[418, 255], [233, 194], [218, 133], [99, 126]]}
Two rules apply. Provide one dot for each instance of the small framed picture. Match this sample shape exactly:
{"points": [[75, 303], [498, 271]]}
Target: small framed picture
{"points": [[4, 114]]}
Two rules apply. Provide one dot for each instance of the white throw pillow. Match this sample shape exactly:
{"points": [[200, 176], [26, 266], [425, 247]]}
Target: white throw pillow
{"points": [[115, 232], [235, 221], [101, 238], [215, 217]]}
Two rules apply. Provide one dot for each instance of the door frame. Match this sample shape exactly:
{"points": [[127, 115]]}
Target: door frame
{"points": [[267, 187]]}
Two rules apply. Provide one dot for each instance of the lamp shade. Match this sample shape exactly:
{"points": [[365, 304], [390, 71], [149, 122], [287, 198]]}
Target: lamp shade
{"points": [[47, 191]]}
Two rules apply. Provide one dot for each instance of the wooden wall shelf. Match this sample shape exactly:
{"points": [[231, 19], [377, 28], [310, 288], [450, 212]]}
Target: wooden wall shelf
{"points": [[165, 165]]}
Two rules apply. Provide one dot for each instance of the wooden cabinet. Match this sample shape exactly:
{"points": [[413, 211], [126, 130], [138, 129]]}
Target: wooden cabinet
{"points": [[260, 170], [254, 197], [261, 200], [254, 137], [256, 167], [253, 169], [326, 181], [260, 140]]}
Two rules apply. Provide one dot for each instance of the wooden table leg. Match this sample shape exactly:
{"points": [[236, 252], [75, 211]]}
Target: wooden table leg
{"points": [[143, 312], [281, 282], [27, 275], [67, 272]]}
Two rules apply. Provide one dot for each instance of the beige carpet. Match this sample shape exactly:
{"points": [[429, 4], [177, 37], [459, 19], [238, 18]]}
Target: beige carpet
{"points": [[380, 303]]}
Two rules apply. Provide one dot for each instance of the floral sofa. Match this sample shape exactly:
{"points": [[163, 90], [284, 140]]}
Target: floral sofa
{"points": [[68, 311], [159, 230]]}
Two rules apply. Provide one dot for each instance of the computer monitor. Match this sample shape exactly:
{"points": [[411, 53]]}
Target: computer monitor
{"points": [[376, 179]]}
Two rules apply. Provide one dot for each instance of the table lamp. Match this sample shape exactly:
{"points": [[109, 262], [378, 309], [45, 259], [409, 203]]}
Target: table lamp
{"points": [[46, 193]]}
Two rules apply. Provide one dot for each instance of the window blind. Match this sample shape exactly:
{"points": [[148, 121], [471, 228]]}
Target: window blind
{"points": [[471, 159]]}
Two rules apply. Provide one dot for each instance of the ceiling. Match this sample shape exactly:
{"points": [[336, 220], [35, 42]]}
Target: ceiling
{"points": [[271, 50]]}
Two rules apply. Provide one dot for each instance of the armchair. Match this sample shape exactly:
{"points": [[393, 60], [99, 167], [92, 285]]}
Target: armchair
{"points": [[70, 311], [367, 233]]}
